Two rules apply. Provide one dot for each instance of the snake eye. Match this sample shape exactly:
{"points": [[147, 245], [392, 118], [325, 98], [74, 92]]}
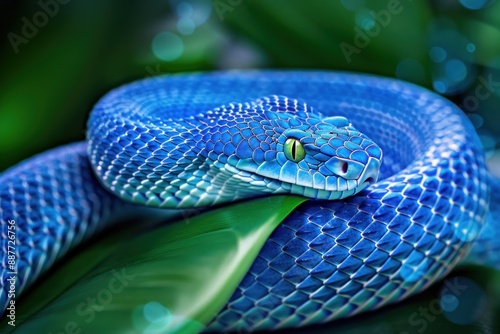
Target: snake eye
{"points": [[294, 150]]}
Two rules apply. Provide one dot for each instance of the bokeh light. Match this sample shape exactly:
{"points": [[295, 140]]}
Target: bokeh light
{"points": [[167, 46], [454, 69], [186, 26], [364, 19], [474, 4], [471, 47], [184, 9], [191, 14], [197, 10], [439, 86], [353, 5], [462, 300], [476, 120], [151, 318], [437, 54], [448, 302]]}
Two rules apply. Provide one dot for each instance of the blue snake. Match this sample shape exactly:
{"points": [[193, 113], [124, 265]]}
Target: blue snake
{"points": [[398, 187]]}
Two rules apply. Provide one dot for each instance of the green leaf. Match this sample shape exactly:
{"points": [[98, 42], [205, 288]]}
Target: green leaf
{"points": [[173, 278]]}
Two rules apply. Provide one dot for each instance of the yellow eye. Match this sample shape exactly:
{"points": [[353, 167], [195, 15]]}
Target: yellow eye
{"points": [[294, 150]]}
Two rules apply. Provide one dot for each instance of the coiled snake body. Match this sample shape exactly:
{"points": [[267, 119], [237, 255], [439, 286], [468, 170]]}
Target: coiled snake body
{"points": [[202, 139]]}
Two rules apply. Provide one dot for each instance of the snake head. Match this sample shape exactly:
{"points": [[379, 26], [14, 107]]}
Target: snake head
{"points": [[328, 160], [295, 150]]}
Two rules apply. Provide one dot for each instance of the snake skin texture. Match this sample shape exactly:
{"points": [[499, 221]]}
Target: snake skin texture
{"points": [[377, 243], [234, 152], [56, 202]]}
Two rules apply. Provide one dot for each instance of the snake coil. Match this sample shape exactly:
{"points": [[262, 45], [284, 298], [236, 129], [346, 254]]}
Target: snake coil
{"points": [[203, 139]]}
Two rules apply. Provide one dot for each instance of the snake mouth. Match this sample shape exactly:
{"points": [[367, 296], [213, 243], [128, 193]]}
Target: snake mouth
{"points": [[324, 194], [321, 194], [340, 189], [269, 180]]}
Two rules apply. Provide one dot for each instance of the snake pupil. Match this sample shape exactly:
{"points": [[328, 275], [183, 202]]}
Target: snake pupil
{"points": [[294, 150], [344, 167]]}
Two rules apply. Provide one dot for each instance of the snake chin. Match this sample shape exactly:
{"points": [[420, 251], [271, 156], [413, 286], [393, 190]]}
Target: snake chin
{"points": [[337, 190]]}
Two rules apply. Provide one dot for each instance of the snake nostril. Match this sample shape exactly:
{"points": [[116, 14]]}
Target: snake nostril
{"points": [[343, 167]]}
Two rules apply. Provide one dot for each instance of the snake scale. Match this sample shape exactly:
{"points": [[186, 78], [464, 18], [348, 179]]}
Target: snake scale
{"points": [[398, 187]]}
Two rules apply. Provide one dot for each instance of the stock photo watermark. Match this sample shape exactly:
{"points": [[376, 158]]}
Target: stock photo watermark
{"points": [[30, 28], [372, 29], [11, 271], [483, 91], [223, 6], [454, 292], [87, 310], [154, 72]]}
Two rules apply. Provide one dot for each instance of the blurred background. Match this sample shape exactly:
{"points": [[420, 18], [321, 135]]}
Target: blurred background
{"points": [[58, 57]]}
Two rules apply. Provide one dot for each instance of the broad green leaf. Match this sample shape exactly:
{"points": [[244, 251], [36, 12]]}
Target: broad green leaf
{"points": [[173, 278]]}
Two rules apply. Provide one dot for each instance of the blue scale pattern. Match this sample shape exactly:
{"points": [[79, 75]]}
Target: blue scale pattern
{"points": [[56, 203], [179, 141]]}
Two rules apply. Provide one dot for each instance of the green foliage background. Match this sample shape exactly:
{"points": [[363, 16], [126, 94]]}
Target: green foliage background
{"points": [[48, 87]]}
